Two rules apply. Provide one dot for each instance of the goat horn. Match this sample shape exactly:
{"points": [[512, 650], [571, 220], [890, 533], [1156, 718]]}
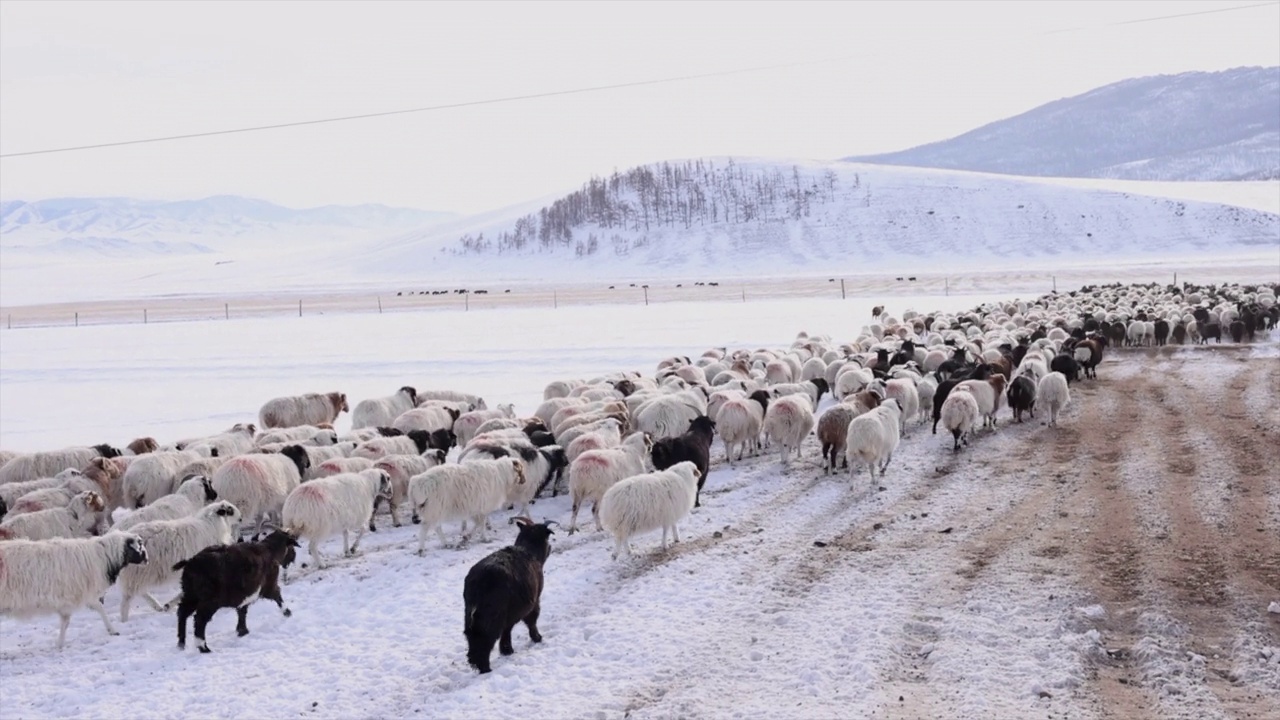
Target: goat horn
{"points": [[517, 518], [550, 522]]}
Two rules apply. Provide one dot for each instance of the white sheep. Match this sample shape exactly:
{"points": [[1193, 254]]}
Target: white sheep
{"points": [[990, 396], [63, 575], [904, 391], [381, 412], [926, 389], [548, 409], [872, 438], [593, 472], [808, 387], [416, 442], [606, 436], [155, 475], [237, 440], [466, 424], [960, 415], [60, 496], [33, 466], [77, 519], [1054, 393], [665, 416], [169, 542], [194, 493], [852, 379], [258, 484], [647, 502], [297, 435], [401, 468], [11, 492], [583, 424], [339, 466], [540, 465], [343, 504], [475, 401], [320, 455], [787, 422], [739, 423], [458, 492], [426, 418], [307, 409], [498, 424]]}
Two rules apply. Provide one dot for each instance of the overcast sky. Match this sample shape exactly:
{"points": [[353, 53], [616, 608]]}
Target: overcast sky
{"points": [[877, 77]]}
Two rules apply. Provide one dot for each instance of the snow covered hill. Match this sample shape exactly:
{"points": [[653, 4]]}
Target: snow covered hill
{"points": [[743, 218], [123, 227], [1192, 126]]}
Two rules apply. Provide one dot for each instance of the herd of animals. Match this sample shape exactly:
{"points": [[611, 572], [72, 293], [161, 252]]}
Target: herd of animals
{"points": [[638, 448]]}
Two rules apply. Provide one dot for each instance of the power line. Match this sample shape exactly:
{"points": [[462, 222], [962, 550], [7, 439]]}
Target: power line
{"points": [[554, 93], [1164, 17], [472, 103]]}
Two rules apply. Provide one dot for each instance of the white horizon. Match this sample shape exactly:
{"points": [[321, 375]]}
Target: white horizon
{"points": [[107, 72]]}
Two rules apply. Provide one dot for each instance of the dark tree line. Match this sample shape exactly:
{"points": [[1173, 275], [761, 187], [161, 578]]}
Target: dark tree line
{"points": [[669, 195]]}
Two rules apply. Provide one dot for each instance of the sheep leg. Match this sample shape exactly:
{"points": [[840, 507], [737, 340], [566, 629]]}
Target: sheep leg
{"points": [[315, 553], [531, 622], [573, 516], [125, 603], [184, 612], [595, 514], [356, 545], [172, 603], [155, 604], [64, 619], [620, 547], [273, 593], [242, 620], [444, 542], [664, 537], [203, 616], [675, 533], [346, 542], [504, 644], [96, 606]]}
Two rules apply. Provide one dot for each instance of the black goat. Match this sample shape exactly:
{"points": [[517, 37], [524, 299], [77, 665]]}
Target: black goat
{"points": [[1022, 397], [234, 576], [693, 446], [1067, 365], [503, 589]]}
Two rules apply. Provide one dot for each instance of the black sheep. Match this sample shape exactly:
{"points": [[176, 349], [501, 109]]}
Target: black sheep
{"points": [[1210, 330], [1067, 365], [1022, 397], [503, 589], [694, 446], [225, 576]]}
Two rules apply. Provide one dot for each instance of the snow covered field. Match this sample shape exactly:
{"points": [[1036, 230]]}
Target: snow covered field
{"points": [[1040, 573]]}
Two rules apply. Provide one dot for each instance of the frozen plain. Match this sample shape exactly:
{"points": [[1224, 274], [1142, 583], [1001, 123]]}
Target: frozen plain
{"points": [[747, 617]]}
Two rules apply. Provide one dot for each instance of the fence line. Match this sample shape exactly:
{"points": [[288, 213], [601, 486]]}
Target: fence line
{"points": [[1027, 285]]}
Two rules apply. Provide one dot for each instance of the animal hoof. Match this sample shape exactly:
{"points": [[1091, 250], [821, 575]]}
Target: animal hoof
{"points": [[113, 632], [288, 612], [535, 637], [243, 632], [204, 649]]}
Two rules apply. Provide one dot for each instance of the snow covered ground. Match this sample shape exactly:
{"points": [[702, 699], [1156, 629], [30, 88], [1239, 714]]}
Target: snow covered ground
{"points": [[960, 586]]}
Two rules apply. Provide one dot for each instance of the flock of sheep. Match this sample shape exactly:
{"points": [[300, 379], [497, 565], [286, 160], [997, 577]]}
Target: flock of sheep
{"points": [[636, 447]]}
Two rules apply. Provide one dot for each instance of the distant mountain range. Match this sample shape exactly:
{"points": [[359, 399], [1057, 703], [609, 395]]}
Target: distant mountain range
{"points": [[1192, 126], [121, 227]]}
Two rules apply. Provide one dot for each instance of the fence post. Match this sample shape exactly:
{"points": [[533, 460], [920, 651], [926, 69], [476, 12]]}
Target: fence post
{"points": [[77, 319], [144, 316], [226, 310], [646, 295], [466, 301], [379, 304], [299, 307], [555, 299], [10, 321], [744, 293], [1055, 282], [946, 286], [842, 288]]}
